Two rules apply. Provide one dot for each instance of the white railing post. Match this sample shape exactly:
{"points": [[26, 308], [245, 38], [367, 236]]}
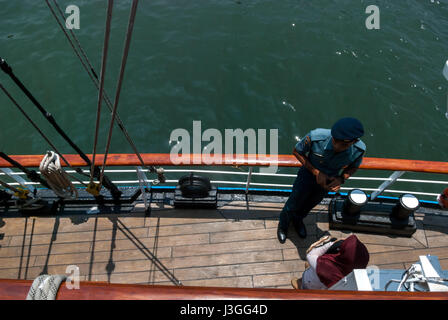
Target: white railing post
{"points": [[144, 184], [393, 177], [249, 176]]}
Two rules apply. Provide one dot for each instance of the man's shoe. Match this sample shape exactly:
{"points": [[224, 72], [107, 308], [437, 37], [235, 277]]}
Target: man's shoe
{"points": [[296, 283], [300, 229], [281, 235]]}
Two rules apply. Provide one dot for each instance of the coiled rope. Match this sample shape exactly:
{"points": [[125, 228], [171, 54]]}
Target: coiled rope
{"points": [[45, 287], [57, 178]]}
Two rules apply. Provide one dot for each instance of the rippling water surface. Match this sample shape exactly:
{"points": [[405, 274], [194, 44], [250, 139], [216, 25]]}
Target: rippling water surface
{"points": [[289, 65]]}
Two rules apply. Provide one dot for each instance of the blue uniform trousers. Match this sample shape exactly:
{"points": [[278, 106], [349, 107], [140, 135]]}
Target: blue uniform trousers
{"points": [[305, 195]]}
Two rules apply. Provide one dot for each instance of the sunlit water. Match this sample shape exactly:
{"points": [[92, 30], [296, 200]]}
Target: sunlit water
{"points": [[286, 65]]}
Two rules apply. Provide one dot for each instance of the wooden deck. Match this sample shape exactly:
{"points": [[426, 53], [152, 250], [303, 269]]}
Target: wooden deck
{"points": [[233, 246]]}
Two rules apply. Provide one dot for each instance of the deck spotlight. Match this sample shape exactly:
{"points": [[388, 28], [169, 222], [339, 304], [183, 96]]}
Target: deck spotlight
{"points": [[406, 206], [355, 200]]}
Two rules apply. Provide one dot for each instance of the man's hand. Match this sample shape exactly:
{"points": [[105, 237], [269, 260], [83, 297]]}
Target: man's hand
{"points": [[321, 179], [335, 184]]}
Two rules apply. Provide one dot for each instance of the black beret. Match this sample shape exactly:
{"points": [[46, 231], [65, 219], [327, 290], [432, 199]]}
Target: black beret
{"points": [[347, 129]]}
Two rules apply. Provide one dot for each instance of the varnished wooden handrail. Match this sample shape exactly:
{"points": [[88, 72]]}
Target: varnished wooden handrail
{"points": [[18, 290], [163, 159]]}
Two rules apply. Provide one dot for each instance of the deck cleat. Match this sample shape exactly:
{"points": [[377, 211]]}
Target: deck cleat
{"points": [[21, 193], [94, 189]]}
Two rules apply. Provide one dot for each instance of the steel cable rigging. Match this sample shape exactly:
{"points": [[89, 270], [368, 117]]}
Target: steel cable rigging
{"points": [[83, 58]]}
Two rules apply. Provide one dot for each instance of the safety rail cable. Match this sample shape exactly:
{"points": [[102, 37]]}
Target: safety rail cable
{"points": [[243, 183], [254, 174], [276, 185]]}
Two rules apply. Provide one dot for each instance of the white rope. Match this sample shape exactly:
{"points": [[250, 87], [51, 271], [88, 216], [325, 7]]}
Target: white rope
{"points": [[51, 169], [45, 287]]}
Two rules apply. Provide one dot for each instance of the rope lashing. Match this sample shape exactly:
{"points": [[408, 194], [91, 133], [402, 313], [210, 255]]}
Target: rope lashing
{"points": [[45, 287], [57, 178]]}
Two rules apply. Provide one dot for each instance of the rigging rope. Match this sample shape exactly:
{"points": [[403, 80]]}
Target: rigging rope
{"points": [[93, 187], [31, 121], [107, 182], [40, 132], [93, 76], [51, 169], [120, 82]]}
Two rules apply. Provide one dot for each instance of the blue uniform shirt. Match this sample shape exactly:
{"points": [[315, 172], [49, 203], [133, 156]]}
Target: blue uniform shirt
{"points": [[318, 148]]}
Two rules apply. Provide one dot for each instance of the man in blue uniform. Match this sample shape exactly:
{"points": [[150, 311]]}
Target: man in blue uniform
{"points": [[328, 157]]}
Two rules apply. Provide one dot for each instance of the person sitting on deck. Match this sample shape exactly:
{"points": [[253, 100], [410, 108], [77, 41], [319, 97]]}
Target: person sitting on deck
{"points": [[330, 261], [328, 157], [442, 199]]}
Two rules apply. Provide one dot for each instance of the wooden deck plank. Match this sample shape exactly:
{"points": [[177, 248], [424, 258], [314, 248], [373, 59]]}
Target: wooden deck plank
{"points": [[245, 246], [171, 216], [218, 226], [40, 250], [223, 259], [438, 241], [232, 282], [246, 235], [149, 242], [75, 237], [232, 246], [67, 224], [239, 270], [433, 231], [101, 256], [274, 280], [144, 275]]}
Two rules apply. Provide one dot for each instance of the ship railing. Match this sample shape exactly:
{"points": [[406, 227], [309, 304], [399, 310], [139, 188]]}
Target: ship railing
{"points": [[235, 175]]}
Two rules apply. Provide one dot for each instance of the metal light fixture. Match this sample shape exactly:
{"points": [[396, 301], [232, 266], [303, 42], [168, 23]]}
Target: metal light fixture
{"points": [[355, 200], [406, 206]]}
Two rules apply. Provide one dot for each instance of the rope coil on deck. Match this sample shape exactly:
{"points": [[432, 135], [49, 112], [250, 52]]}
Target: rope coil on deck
{"points": [[45, 287], [51, 169]]}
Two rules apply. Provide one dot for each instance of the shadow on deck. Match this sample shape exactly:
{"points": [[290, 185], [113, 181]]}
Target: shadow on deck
{"points": [[233, 246]]}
